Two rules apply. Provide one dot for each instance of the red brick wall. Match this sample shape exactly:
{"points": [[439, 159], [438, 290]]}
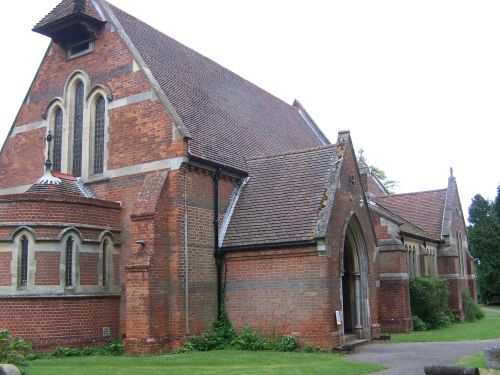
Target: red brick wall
{"points": [[89, 268], [394, 293], [47, 267], [50, 322], [66, 209], [5, 276], [286, 291], [395, 310]]}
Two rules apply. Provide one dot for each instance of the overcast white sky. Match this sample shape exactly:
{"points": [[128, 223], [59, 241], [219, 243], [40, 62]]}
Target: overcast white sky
{"points": [[416, 82]]}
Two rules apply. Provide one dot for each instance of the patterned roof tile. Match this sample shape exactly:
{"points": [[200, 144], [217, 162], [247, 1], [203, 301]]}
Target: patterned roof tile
{"points": [[424, 209], [229, 118], [282, 199]]}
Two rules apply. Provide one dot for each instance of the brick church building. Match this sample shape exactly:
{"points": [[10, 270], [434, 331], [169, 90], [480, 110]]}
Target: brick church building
{"points": [[145, 187]]}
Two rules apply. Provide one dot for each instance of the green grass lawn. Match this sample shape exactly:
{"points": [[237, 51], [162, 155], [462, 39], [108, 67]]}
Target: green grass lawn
{"points": [[487, 328], [476, 360], [216, 362]]}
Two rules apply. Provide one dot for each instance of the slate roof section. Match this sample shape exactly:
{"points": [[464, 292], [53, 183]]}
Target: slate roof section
{"points": [[423, 209], [229, 118], [67, 8], [69, 185], [283, 197]]}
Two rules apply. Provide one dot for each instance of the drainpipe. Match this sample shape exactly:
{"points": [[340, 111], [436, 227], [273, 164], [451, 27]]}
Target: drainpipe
{"points": [[186, 261], [218, 255]]}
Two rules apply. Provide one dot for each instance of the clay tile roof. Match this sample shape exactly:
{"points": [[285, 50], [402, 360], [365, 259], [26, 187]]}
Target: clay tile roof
{"points": [[406, 226], [67, 8], [423, 209], [69, 185], [282, 199], [229, 118]]}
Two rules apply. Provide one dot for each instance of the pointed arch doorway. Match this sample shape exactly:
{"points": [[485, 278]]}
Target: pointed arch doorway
{"points": [[355, 281]]}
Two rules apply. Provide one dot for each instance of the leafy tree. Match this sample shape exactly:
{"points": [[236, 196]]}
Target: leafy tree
{"points": [[484, 244]]}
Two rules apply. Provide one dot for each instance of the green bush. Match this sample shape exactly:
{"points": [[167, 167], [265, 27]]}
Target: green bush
{"points": [[287, 343], [418, 324], [66, 352], [249, 339], [219, 335], [14, 350], [472, 310], [112, 347], [429, 301]]}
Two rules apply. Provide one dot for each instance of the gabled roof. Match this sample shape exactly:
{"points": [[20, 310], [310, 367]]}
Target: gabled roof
{"points": [[68, 8], [64, 184], [228, 118], [405, 226], [283, 198], [423, 209]]}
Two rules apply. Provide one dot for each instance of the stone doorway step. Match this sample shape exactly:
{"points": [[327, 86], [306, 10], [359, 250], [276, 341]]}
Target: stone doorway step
{"points": [[351, 342]]}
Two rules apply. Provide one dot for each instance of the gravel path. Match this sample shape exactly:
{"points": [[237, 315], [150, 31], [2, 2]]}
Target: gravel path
{"points": [[411, 358]]}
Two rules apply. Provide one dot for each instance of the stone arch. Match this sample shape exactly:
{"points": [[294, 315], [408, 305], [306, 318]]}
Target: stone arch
{"points": [[15, 233], [355, 272], [97, 146], [17, 236]]}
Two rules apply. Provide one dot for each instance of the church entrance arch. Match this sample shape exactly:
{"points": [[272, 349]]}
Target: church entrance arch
{"points": [[355, 281]]}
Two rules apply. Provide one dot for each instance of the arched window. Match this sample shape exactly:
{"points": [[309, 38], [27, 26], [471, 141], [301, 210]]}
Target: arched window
{"points": [[57, 148], [104, 263], [78, 129], [23, 262], [68, 277], [98, 161]]}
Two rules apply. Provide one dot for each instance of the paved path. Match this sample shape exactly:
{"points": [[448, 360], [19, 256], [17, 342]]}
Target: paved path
{"points": [[411, 358], [488, 309]]}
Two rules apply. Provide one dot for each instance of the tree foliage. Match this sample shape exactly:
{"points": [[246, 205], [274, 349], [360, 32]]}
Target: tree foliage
{"points": [[429, 302], [389, 184], [484, 244]]}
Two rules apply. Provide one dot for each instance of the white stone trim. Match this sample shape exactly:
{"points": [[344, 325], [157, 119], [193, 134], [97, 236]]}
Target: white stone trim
{"points": [[394, 276], [171, 163], [133, 99], [15, 189], [27, 127]]}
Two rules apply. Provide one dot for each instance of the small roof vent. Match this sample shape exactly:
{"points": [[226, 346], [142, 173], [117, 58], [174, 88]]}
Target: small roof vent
{"points": [[71, 23]]}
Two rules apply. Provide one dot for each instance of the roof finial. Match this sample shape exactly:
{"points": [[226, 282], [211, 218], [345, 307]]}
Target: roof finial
{"points": [[47, 177], [49, 139], [361, 156], [451, 172]]}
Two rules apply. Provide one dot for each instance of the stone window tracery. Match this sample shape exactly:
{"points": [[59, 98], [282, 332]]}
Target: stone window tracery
{"points": [[68, 278], [104, 263], [78, 129], [23, 262], [78, 122], [98, 150], [57, 145]]}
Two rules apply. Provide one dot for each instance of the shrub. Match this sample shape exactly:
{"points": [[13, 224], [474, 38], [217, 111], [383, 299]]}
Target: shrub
{"points": [[429, 301], [219, 335], [66, 352], [472, 310], [287, 343], [14, 350], [249, 339], [418, 324], [112, 347]]}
